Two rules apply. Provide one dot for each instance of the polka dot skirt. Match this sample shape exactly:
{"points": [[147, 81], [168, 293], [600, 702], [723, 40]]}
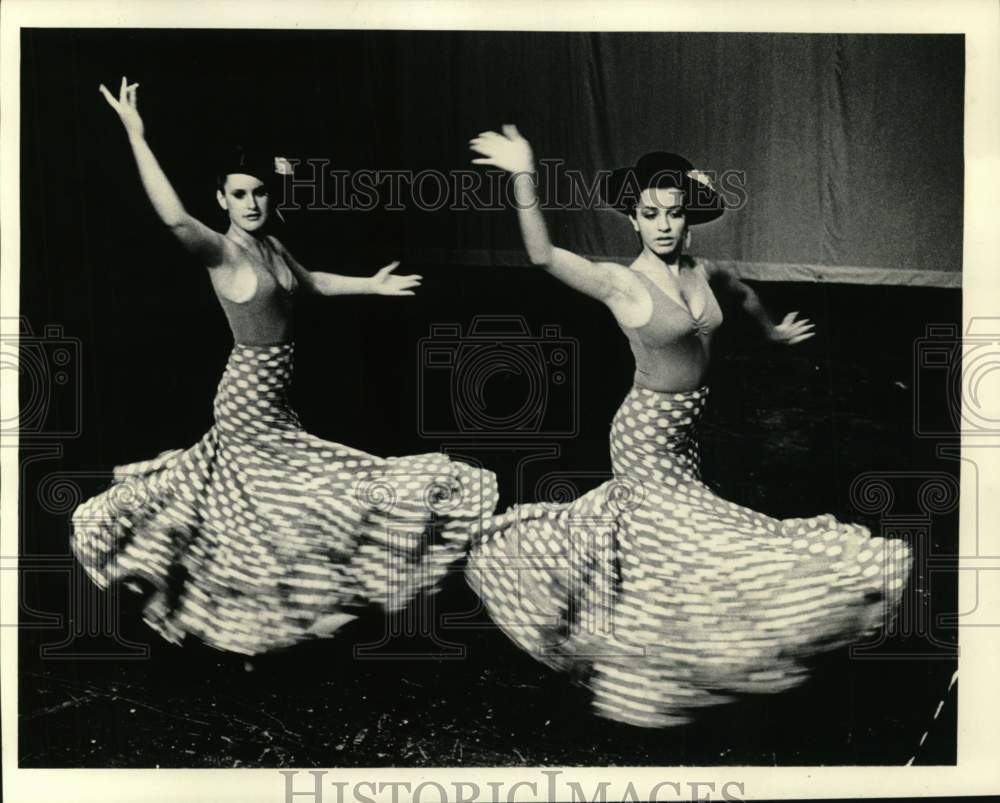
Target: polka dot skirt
{"points": [[262, 535], [663, 598]]}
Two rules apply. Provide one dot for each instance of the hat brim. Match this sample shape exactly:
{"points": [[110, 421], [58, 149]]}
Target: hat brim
{"points": [[259, 172], [702, 203], [257, 162]]}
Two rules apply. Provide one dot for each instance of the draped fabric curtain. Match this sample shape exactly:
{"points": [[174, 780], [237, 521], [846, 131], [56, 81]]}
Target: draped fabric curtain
{"points": [[849, 148]]}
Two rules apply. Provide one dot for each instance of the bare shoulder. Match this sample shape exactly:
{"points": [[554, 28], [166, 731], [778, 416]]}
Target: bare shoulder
{"points": [[234, 256], [715, 273], [711, 269], [631, 304], [623, 279], [284, 253], [275, 243]]}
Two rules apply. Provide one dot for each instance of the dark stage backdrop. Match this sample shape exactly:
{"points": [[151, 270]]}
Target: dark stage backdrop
{"points": [[843, 154]]}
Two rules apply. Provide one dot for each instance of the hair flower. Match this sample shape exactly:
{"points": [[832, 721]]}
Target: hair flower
{"points": [[701, 178]]}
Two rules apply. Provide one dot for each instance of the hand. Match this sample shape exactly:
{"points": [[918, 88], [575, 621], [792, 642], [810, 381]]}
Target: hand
{"points": [[384, 283], [127, 106], [508, 151], [791, 331]]}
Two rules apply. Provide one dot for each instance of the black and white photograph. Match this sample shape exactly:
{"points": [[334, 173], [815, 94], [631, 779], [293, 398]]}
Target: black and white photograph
{"points": [[564, 401]]}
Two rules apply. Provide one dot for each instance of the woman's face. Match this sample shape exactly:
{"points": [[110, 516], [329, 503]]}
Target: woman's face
{"points": [[659, 219], [246, 200]]}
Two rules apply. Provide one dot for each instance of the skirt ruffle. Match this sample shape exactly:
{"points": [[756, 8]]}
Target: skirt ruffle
{"points": [[663, 598], [262, 535]]}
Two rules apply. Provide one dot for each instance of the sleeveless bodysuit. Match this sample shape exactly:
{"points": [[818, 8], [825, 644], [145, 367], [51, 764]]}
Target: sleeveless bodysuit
{"points": [[266, 318], [673, 334]]}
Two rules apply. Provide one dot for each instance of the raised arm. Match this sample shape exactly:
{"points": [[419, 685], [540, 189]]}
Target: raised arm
{"points": [[789, 331], [383, 283], [196, 237], [605, 281]]}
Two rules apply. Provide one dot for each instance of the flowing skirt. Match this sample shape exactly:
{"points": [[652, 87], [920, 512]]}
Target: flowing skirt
{"points": [[262, 535], [660, 596]]}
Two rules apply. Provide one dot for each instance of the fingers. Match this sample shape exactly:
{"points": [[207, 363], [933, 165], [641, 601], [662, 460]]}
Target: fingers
{"points": [[397, 285], [800, 338], [403, 282], [108, 96], [127, 94], [487, 149], [791, 330], [491, 139], [483, 146]]}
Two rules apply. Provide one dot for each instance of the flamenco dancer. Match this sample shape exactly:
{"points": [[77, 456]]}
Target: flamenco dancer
{"points": [[650, 590], [261, 535]]}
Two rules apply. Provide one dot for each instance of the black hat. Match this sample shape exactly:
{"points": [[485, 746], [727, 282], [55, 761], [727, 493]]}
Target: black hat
{"points": [[702, 201], [252, 163]]}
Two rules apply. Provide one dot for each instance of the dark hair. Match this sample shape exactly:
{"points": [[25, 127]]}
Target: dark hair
{"points": [[630, 211]]}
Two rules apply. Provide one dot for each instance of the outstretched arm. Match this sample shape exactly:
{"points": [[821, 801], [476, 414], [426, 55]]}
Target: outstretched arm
{"points": [[383, 283], [509, 151], [195, 236], [789, 331]]}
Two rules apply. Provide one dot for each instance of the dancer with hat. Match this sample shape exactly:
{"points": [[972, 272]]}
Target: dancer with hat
{"points": [[261, 535], [659, 596]]}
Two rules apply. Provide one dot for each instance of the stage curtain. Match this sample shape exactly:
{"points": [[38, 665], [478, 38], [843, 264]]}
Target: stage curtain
{"points": [[851, 147]]}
